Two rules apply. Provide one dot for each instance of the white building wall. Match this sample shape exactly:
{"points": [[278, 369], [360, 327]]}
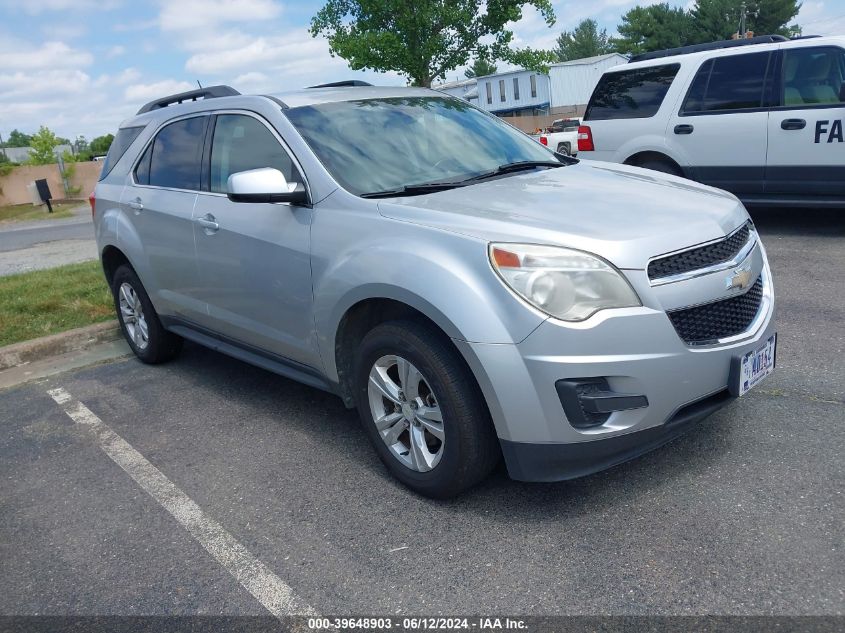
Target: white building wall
{"points": [[510, 102], [572, 83]]}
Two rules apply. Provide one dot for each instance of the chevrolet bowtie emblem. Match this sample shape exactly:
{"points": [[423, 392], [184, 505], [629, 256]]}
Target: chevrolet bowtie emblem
{"points": [[740, 278]]}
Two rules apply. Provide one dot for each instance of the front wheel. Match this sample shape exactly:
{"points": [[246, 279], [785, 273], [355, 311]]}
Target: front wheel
{"points": [[138, 319], [423, 410]]}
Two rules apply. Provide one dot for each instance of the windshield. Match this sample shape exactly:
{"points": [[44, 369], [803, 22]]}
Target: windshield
{"points": [[376, 145]]}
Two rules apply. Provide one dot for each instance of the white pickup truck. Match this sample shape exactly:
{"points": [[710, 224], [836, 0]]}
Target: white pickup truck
{"points": [[562, 136]]}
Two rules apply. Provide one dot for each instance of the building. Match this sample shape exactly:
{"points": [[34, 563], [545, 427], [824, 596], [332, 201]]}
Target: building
{"points": [[572, 82], [514, 93], [21, 154], [462, 89]]}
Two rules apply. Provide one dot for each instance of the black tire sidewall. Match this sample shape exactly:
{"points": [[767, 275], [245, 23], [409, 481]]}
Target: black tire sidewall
{"points": [[439, 367], [159, 341]]}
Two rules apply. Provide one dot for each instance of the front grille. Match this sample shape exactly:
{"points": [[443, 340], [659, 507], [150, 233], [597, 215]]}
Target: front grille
{"points": [[728, 317], [701, 257]]}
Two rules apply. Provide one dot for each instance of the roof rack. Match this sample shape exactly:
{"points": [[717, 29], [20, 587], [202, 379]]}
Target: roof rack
{"points": [[192, 95], [709, 46], [350, 83]]}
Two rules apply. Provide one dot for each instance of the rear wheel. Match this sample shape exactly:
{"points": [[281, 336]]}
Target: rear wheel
{"points": [[665, 166], [565, 149], [422, 409], [138, 319]]}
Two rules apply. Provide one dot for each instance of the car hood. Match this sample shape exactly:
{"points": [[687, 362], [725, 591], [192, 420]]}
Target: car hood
{"points": [[625, 214]]}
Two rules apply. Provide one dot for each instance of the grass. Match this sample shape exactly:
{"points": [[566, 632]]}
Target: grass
{"points": [[44, 302], [24, 212]]}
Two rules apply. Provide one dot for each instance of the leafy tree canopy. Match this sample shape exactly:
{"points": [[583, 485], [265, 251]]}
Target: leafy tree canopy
{"points": [[653, 28], [425, 39], [43, 143], [479, 68], [584, 41], [719, 19], [100, 144], [18, 139]]}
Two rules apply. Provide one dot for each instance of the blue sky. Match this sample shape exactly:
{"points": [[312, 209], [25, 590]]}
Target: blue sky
{"points": [[82, 66]]}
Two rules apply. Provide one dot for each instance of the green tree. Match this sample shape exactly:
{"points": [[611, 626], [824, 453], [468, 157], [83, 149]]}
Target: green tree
{"points": [[584, 41], [479, 68], [653, 28], [720, 19], [100, 144], [425, 39], [43, 143], [18, 139]]}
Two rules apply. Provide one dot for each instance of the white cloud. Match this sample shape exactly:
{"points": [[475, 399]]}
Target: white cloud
{"points": [[148, 92], [115, 51], [36, 7], [198, 14], [51, 55]]}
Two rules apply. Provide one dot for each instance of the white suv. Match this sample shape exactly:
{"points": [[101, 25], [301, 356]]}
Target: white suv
{"points": [[762, 118]]}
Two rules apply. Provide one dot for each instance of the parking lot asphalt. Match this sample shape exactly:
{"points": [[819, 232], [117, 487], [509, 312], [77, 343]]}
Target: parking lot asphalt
{"points": [[743, 515]]}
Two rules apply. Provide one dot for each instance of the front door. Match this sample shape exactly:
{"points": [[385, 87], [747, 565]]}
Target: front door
{"points": [[254, 258], [806, 156], [720, 129]]}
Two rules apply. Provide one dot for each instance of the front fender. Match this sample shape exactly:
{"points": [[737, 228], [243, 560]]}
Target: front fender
{"points": [[445, 276]]}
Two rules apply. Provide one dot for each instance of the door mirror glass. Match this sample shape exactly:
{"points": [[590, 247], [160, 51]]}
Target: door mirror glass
{"points": [[264, 185]]}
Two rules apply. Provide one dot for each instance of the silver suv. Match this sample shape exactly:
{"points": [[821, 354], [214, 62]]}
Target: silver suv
{"points": [[472, 293]]}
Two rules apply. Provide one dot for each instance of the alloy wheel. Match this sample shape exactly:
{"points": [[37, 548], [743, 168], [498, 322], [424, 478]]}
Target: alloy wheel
{"points": [[132, 314], [406, 413]]}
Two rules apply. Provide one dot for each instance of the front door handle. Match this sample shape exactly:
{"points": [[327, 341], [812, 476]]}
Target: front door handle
{"points": [[208, 223], [793, 124], [136, 204], [684, 129]]}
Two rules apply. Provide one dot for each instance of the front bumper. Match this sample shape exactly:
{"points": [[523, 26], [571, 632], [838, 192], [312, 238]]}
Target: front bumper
{"points": [[637, 351]]}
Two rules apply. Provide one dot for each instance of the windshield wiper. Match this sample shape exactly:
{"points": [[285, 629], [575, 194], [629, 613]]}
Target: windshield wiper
{"points": [[508, 168], [413, 190]]}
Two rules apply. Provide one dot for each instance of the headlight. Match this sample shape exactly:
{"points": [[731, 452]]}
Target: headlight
{"points": [[567, 284]]}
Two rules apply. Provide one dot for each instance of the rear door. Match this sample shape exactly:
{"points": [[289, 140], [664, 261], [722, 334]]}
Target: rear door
{"points": [[159, 204], [806, 155], [721, 127], [254, 258]]}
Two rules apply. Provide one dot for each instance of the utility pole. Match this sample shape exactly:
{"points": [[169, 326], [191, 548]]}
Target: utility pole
{"points": [[742, 30], [3, 146]]}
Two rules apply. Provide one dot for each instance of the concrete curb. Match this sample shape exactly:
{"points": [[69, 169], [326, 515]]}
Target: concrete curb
{"points": [[73, 340]]}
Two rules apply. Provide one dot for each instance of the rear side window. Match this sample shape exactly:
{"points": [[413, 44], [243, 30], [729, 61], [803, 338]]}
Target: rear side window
{"points": [[813, 76], [142, 171], [631, 94], [177, 154], [730, 83], [242, 143], [125, 137]]}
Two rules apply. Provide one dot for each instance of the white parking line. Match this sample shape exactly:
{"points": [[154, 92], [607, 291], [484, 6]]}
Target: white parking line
{"points": [[270, 590]]}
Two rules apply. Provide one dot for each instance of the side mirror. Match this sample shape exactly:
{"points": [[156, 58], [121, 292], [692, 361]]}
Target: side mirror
{"points": [[265, 185]]}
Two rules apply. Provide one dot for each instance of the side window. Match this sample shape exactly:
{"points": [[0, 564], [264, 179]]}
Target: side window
{"points": [[813, 76], [631, 94], [533, 86], [489, 92], [125, 137], [501, 89], [142, 171], [241, 143], [177, 154], [735, 82], [516, 88]]}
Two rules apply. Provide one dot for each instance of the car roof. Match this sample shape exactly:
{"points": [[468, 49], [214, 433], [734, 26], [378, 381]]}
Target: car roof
{"points": [[288, 99], [720, 52]]}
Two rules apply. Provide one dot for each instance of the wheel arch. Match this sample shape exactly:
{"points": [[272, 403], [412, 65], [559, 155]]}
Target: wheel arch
{"points": [[635, 160]]}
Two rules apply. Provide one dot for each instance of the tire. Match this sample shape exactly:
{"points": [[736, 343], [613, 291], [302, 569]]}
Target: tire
{"points": [[469, 448], [159, 345], [664, 166], [565, 149]]}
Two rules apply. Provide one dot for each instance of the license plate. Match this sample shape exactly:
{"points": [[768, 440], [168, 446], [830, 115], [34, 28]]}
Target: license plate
{"points": [[751, 368]]}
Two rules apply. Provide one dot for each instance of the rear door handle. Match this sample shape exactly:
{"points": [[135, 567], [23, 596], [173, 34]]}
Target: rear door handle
{"points": [[793, 124], [684, 129], [136, 204], [207, 222]]}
